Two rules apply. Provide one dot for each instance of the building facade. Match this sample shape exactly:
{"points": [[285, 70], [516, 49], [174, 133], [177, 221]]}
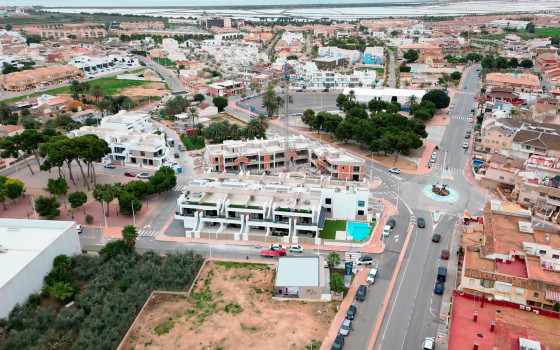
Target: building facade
{"points": [[39, 78]]}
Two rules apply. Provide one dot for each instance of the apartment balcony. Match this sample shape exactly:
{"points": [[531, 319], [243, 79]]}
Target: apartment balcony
{"points": [[553, 200]]}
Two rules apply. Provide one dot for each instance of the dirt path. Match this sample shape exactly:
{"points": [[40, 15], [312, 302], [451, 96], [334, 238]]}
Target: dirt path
{"points": [[231, 307]]}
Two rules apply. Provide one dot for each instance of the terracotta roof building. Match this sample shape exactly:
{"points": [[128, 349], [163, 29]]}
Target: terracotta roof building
{"points": [[517, 82], [38, 78]]}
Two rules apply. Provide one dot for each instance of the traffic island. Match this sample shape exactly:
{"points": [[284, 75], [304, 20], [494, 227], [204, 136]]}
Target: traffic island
{"points": [[442, 193]]}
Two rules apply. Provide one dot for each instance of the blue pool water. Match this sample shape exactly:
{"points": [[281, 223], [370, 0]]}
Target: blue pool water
{"points": [[477, 162], [358, 231]]}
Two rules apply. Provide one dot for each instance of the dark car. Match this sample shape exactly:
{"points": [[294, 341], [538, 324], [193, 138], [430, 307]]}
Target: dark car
{"points": [[361, 293], [467, 136], [351, 313], [338, 343], [436, 238], [445, 254], [421, 223], [439, 288], [176, 155], [392, 223], [130, 174]]}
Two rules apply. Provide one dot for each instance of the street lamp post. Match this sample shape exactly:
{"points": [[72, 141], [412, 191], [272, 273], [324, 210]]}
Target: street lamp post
{"points": [[443, 170], [104, 216], [133, 216]]}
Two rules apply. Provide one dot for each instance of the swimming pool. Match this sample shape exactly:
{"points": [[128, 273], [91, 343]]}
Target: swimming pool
{"points": [[477, 162], [358, 231]]}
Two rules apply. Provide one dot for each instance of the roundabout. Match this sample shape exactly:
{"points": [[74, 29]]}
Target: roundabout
{"points": [[445, 194]]}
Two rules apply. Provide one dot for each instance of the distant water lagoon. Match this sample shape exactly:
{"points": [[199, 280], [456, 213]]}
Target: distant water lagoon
{"points": [[378, 8]]}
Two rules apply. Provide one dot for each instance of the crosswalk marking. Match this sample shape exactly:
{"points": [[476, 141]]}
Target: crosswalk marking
{"points": [[148, 233], [179, 188], [449, 170], [461, 117]]}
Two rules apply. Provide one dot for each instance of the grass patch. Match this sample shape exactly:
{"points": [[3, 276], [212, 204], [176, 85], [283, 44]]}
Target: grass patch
{"points": [[164, 61], [377, 69], [331, 226], [193, 143], [228, 265], [164, 327], [234, 309]]}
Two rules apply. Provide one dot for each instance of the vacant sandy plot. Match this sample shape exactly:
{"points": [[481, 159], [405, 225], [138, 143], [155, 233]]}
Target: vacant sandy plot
{"points": [[149, 89], [230, 308], [402, 163]]}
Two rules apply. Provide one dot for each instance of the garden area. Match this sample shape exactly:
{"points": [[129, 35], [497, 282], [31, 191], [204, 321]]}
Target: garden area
{"points": [[330, 228], [231, 307], [108, 291]]}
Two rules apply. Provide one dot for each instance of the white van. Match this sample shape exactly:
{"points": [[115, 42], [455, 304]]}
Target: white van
{"points": [[386, 230], [372, 276]]}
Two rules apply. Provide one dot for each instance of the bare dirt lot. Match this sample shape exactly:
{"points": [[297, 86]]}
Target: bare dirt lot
{"points": [[401, 163], [150, 89], [231, 307]]}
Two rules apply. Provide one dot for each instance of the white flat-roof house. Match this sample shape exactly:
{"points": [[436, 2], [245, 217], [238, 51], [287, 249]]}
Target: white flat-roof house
{"points": [[293, 208], [93, 66], [388, 95], [27, 251], [131, 139]]}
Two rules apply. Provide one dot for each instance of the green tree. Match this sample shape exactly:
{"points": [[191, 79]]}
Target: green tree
{"points": [[502, 63], [78, 199], [60, 291], [4, 194], [331, 123], [411, 55], [530, 27], [8, 68], [139, 189], [456, 75], [129, 235], [163, 180], [5, 112], [488, 62], [438, 97], [333, 259], [270, 102], [47, 207], [351, 95], [344, 131], [15, 190], [526, 63], [307, 117], [8, 27], [364, 132], [97, 92], [199, 97], [340, 101], [176, 105], [376, 106], [220, 102], [57, 187], [31, 123], [513, 62], [357, 112], [127, 201], [337, 283]]}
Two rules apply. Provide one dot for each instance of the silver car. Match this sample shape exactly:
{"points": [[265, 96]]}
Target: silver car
{"points": [[143, 175], [345, 328]]}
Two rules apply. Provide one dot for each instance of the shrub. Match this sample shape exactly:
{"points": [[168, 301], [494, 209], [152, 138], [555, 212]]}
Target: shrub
{"points": [[57, 275], [89, 219], [73, 109], [62, 262], [114, 248]]}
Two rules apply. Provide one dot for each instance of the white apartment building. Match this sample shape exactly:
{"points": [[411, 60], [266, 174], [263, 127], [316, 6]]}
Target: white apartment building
{"points": [[335, 52], [129, 120], [234, 55], [289, 37], [507, 23], [93, 66], [244, 205], [320, 79], [388, 95], [400, 41]]}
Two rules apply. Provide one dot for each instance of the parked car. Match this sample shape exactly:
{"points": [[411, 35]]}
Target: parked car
{"points": [[176, 155], [345, 328], [386, 230], [465, 145], [445, 254], [110, 166], [438, 289], [391, 223], [467, 136], [361, 293], [436, 238], [351, 313], [465, 87], [143, 175], [372, 275], [130, 174], [471, 119], [395, 170], [421, 222], [79, 228], [365, 260], [294, 248], [468, 131], [428, 344], [338, 343], [276, 247], [442, 274]]}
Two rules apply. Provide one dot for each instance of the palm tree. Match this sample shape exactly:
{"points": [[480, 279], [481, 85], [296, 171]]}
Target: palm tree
{"points": [[200, 128], [253, 129], [351, 95], [97, 92], [193, 114], [103, 106], [263, 121], [412, 99], [269, 102], [60, 291], [129, 235], [234, 131], [281, 102]]}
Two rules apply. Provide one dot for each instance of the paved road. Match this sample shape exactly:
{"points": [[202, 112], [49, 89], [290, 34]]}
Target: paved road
{"points": [[392, 79], [168, 75]]}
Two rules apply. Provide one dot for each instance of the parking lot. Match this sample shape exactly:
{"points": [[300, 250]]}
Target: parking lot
{"points": [[318, 101]]}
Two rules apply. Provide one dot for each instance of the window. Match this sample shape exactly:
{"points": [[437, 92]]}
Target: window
{"points": [[501, 177], [535, 294], [519, 291], [133, 160], [487, 283], [555, 256], [361, 203], [360, 212], [328, 201], [542, 194], [144, 161], [142, 153], [542, 252], [356, 169], [329, 210], [526, 200], [151, 162]]}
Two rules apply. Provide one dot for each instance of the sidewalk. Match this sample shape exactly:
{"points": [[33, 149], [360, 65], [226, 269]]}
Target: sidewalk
{"points": [[469, 176]]}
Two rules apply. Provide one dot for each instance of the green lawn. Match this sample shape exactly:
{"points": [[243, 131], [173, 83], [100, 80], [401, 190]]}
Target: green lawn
{"points": [[110, 85], [377, 69], [164, 61], [331, 226]]}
